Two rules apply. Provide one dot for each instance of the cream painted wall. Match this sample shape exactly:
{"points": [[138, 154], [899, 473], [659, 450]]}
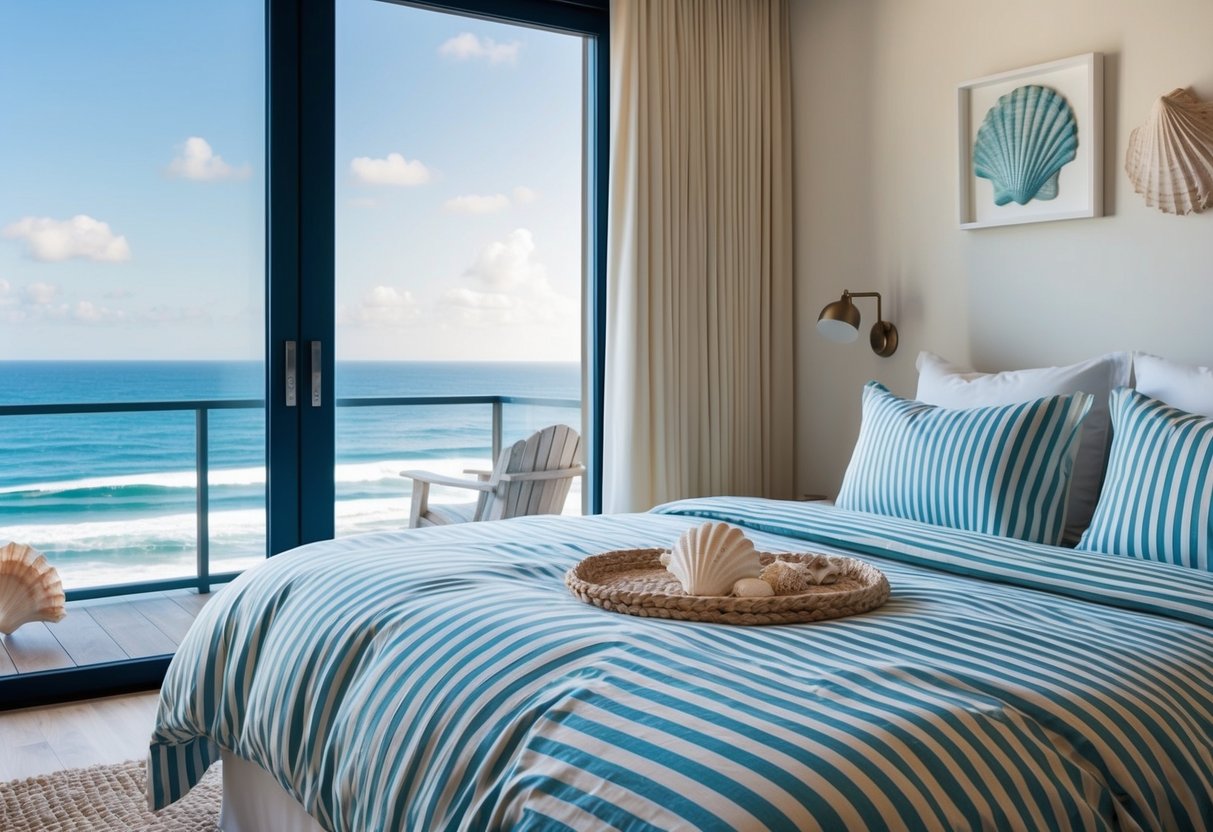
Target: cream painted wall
{"points": [[874, 89]]}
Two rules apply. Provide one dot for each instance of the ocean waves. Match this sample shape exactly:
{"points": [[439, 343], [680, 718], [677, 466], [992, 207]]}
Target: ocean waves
{"points": [[137, 527]]}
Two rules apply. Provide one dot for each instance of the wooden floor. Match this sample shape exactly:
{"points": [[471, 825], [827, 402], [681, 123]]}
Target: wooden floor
{"points": [[75, 735], [104, 630]]}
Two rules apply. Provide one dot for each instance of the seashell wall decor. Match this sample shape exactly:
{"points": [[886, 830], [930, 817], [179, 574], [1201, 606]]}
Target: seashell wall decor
{"points": [[30, 589], [1025, 140], [710, 559], [1170, 157]]}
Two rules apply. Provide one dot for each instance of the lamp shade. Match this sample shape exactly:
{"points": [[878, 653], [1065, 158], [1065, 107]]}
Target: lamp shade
{"points": [[839, 321]]}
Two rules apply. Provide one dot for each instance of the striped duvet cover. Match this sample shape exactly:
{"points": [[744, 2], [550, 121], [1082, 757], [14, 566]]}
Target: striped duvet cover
{"points": [[445, 679]]}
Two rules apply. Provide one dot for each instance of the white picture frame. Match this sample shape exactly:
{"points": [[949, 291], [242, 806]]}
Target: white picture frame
{"points": [[1080, 184]]}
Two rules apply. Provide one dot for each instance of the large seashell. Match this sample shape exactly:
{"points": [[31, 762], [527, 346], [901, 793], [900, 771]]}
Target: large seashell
{"points": [[710, 559], [30, 589], [1025, 140], [1170, 157]]}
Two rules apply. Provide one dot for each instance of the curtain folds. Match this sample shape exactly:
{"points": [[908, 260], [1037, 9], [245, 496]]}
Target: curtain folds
{"points": [[699, 386]]}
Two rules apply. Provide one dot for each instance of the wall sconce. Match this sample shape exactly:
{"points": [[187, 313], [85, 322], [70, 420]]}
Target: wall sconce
{"points": [[839, 321]]}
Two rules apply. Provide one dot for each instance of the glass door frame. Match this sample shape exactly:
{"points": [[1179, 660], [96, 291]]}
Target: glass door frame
{"points": [[301, 245], [300, 272]]}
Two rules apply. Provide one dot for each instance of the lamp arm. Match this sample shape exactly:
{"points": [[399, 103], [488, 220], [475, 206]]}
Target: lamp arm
{"points": [[879, 316]]}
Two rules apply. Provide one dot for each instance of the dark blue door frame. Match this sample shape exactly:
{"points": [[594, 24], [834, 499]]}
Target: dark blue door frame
{"points": [[300, 71]]}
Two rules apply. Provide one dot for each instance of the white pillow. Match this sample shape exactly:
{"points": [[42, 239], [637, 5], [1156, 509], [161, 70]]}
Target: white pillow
{"points": [[1183, 386], [944, 384]]}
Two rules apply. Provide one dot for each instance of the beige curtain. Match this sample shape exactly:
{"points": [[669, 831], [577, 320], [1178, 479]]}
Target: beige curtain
{"points": [[699, 387]]}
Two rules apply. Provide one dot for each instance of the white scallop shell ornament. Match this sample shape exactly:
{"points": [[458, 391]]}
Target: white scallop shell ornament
{"points": [[1025, 140], [30, 589], [1170, 157], [710, 559]]}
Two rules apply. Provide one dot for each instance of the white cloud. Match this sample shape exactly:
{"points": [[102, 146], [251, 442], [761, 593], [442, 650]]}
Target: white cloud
{"points": [[394, 170], [467, 46], [41, 302], [471, 299], [509, 263], [50, 240], [477, 204], [490, 203], [509, 287], [87, 312], [40, 294], [524, 195], [198, 161], [382, 306]]}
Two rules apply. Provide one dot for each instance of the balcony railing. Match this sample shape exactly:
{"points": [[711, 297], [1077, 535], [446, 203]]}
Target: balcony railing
{"points": [[204, 578]]}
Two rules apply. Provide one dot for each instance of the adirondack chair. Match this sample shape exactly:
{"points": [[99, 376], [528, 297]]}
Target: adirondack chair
{"points": [[532, 476]]}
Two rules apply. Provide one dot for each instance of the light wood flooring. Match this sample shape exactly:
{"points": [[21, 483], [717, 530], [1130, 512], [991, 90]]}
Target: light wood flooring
{"points": [[76, 734], [102, 630]]}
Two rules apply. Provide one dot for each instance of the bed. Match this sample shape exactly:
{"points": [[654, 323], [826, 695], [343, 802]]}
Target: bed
{"points": [[444, 678]]}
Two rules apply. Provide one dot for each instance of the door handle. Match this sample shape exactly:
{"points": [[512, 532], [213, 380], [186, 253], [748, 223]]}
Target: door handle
{"points": [[290, 374], [316, 375]]}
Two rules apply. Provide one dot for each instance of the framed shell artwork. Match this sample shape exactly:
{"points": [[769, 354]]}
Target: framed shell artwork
{"points": [[1031, 144]]}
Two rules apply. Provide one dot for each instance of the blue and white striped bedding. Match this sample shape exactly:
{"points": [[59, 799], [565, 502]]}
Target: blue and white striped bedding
{"points": [[445, 679]]}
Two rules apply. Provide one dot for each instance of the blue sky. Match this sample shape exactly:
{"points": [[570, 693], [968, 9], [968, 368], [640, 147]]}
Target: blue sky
{"points": [[131, 190]]}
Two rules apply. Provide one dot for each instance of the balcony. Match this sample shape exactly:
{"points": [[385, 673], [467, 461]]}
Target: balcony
{"points": [[205, 576]]}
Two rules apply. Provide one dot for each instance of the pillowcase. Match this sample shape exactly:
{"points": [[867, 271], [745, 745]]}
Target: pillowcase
{"points": [[1184, 386], [945, 384], [1157, 501], [1001, 470]]}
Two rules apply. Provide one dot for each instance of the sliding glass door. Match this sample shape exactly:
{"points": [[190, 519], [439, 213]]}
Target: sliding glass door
{"points": [[460, 153], [132, 216], [238, 241]]}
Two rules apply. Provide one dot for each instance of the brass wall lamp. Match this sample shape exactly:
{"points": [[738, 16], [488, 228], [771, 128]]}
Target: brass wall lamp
{"points": [[839, 321]]}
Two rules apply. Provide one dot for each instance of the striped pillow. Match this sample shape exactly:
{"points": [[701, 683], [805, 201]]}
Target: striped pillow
{"points": [[1157, 499], [1001, 470]]}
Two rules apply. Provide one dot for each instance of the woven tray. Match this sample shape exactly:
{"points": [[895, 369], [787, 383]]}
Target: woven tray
{"points": [[634, 582]]}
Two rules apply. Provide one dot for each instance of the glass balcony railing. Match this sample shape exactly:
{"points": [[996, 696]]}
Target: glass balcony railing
{"points": [[510, 418]]}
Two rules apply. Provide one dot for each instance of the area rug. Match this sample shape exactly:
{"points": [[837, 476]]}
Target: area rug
{"points": [[104, 799]]}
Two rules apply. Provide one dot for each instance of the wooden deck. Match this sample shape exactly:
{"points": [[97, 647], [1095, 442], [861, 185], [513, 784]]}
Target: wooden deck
{"points": [[104, 630]]}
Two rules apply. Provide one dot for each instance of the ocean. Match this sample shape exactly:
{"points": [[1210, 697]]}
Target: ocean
{"points": [[110, 498]]}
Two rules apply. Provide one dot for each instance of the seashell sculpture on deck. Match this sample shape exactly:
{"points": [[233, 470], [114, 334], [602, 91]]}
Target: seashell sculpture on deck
{"points": [[1170, 157], [1025, 140], [30, 589], [710, 559]]}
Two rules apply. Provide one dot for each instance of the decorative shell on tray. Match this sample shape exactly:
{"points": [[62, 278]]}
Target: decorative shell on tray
{"points": [[785, 578], [1170, 157], [30, 589], [788, 578], [710, 559]]}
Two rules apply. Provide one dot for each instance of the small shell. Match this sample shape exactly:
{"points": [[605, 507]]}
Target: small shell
{"points": [[752, 588], [785, 578], [665, 558], [820, 571], [709, 559], [30, 589]]}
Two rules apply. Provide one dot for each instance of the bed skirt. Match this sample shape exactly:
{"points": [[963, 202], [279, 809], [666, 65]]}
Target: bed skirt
{"points": [[253, 801]]}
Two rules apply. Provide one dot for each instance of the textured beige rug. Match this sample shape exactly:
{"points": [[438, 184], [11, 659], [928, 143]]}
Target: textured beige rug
{"points": [[104, 798]]}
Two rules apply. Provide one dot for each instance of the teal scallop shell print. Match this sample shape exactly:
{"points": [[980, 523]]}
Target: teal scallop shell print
{"points": [[1027, 137]]}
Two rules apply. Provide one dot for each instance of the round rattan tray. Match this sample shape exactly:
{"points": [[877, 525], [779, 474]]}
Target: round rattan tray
{"points": [[633, 581]]}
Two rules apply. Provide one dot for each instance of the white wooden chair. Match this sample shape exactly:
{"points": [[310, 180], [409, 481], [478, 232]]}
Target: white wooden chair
{"points": [[531, 477]]}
